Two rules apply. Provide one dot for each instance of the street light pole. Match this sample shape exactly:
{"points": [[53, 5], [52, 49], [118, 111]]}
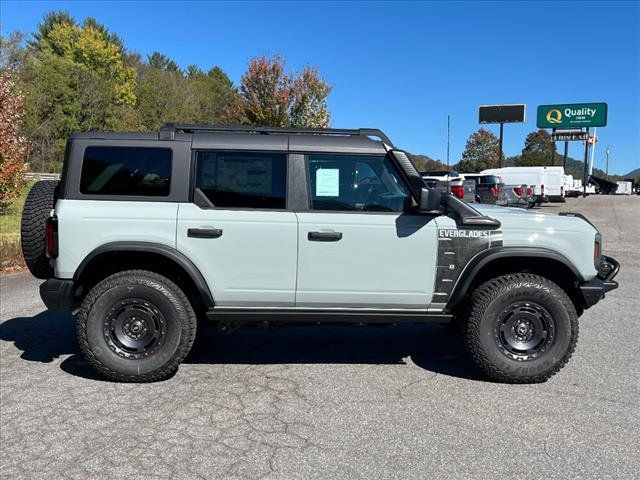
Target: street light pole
{"points": [[607, 154]]}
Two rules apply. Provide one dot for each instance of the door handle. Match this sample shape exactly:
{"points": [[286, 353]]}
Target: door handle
{"points": [[204, 232], [324, 236]]}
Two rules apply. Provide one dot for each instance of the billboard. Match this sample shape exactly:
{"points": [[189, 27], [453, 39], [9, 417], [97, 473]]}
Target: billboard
{"points": [[572, 115], [502, 113]]}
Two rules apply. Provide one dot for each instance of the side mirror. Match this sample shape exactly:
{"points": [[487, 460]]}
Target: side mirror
{"points": [[430, 200]]}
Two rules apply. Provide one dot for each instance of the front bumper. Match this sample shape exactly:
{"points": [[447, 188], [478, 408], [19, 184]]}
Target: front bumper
{"points": [[58, 294], [594, 290]]}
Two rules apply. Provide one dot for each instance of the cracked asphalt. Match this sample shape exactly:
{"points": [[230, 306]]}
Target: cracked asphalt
{"points": [[328, 402]]}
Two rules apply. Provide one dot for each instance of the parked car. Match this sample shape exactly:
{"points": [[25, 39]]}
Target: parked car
{"points": [[489, 188], [149, 236], [517, 196], [450, 181]]}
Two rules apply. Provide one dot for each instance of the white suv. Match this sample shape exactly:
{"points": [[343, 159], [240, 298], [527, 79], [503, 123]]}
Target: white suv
{"points": [[148, 233]]}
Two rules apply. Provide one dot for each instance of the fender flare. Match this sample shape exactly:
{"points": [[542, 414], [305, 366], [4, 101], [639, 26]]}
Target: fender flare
{"points": [[477, 263], [166, 251]]}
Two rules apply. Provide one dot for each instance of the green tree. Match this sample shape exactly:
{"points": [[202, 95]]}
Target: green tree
{"points": [[91, 46], [162, 62], [161, 96], [74, 78], [164, 93], [211, 95], [481, 152]]}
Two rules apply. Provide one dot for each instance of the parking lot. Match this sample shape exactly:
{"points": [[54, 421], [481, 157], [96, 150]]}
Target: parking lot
{"points": [[329, 402]]}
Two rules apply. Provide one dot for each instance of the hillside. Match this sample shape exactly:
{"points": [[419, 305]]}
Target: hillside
{"points": [[424, 163], [633, 173]]}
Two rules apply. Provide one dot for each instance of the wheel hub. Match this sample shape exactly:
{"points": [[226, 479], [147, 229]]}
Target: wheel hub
{"points": [[134, 328], [524, 330]]}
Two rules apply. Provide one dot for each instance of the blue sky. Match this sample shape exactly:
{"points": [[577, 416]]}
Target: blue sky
{"points": [[403, 67]]}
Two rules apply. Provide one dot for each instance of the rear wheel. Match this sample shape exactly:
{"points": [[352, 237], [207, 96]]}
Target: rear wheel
{"points": [[136, 326], [37, 207], [522, 328]]}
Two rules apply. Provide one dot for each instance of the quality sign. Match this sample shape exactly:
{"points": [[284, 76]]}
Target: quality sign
{"points": [[572, 115]]}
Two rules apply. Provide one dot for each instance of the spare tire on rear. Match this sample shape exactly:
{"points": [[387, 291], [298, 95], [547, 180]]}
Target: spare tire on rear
{"points": [[37, 207]]}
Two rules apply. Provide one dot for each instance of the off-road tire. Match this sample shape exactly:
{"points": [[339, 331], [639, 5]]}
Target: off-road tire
{"points": [[37, 207], [488, 303], [171, 304]]}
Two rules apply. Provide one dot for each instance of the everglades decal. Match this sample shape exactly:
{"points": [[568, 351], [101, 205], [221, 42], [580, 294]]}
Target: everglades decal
{"points": [[455, 233], [455, 249]]}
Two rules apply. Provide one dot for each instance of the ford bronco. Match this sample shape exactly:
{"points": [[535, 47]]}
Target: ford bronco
{"points": [[148, 235]]}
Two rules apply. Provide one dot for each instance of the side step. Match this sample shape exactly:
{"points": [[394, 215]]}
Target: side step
{"points": [[330, 315]]}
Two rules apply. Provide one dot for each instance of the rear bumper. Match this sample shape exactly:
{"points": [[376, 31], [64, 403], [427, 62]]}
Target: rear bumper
{"points": [[58, 294], [594, 290]]}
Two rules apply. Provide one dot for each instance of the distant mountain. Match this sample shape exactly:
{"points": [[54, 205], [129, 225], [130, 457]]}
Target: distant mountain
{"points": [[424, 163], [633, 173]]}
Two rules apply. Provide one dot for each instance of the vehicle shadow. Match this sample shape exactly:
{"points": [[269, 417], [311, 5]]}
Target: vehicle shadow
{"points": [[51, 335]]}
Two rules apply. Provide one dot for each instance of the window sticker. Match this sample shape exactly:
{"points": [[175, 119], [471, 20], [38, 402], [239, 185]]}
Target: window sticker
{"points": [[328, 182]]}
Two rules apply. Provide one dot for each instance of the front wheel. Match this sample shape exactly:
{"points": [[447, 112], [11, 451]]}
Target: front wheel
{"points": [[136, 326], [522, 328]]}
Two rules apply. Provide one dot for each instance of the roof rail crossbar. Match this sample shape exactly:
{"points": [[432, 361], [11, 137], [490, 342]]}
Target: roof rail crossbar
{"points": [[168, 131]]}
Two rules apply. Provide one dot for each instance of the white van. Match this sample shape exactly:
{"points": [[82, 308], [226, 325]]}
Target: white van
{"points": [[548, 181]]}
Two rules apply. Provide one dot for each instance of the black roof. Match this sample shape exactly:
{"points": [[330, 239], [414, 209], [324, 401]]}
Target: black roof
{"points": [[259, 138]]}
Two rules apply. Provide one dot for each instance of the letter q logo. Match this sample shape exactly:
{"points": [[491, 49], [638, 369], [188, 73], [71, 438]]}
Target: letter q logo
{"points": [[554, 116]]}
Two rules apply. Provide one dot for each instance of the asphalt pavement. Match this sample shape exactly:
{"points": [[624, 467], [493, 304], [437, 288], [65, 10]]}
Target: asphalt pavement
{"points": [[328, 402]]}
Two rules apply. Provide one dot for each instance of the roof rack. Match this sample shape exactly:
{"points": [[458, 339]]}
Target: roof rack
{"points": [[168, 131]]}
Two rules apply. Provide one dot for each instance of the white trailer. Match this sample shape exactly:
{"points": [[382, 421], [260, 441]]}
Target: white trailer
{"points": [[569, 186], [624, 188], [548, 181]]}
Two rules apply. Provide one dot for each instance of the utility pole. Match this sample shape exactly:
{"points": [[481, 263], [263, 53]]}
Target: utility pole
{"points": [[586, 161], [500, 152], [448, 138]]}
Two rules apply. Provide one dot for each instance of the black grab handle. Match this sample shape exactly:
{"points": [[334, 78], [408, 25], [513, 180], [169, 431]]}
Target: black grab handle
{"points": [[204, 232], [324, 236]]}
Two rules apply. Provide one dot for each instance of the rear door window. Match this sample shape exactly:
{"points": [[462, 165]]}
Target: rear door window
{"points": [[243, 179], [129, 171]]}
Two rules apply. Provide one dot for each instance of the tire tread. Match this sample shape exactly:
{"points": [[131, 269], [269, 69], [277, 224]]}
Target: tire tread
{"points": [[480, 301], [37, 206], [188, 330]]}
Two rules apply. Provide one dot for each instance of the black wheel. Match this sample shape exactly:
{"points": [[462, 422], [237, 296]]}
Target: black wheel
{"points": [[521, 328], [37, 207], [136, 326]]}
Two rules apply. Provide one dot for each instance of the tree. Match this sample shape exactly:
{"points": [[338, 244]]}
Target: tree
{"points": [[538, 149], [90, 45], [481, 152], [75, 78], [269, 96], [309, 100], [13, 146], [162, 62], [164, 93]]}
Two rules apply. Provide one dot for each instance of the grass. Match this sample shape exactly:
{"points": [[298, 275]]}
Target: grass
{"points": [[10, 251]]}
